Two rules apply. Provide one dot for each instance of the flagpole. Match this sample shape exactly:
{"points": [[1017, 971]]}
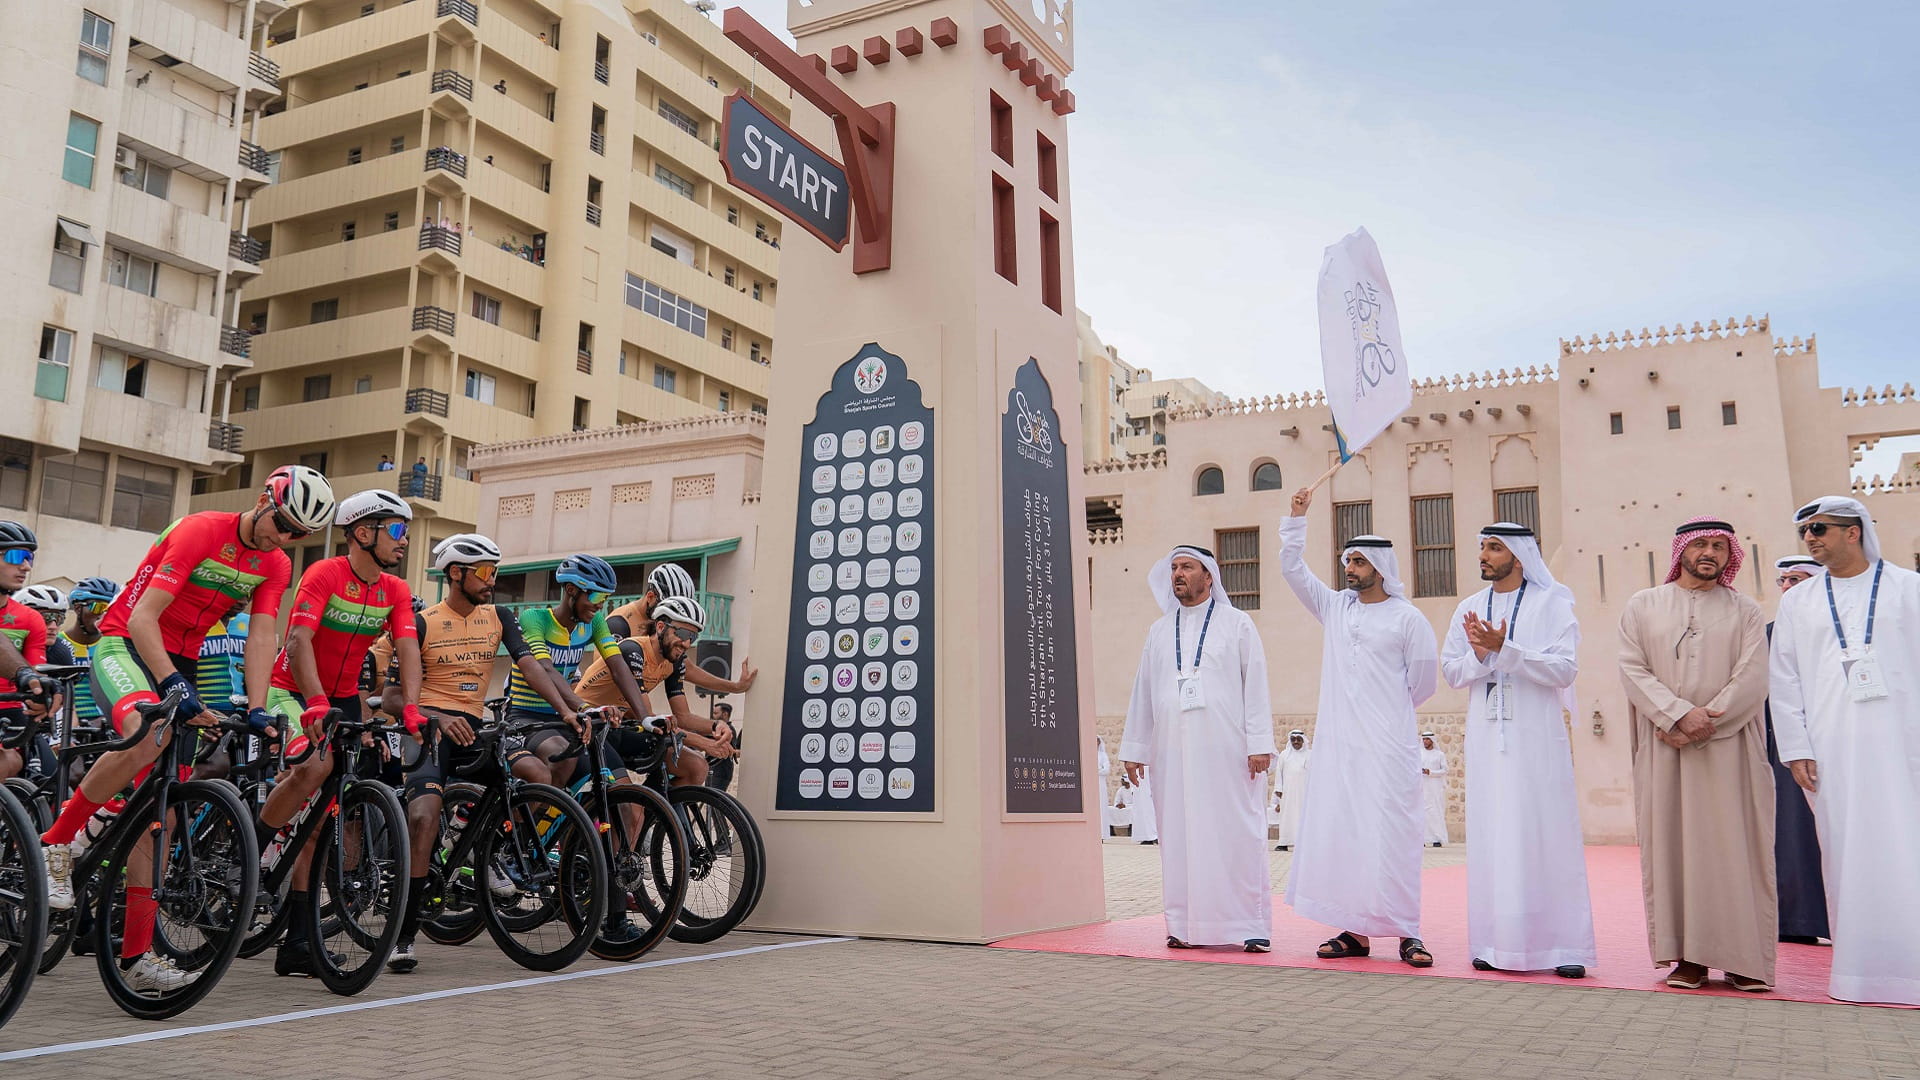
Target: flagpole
{"points": [[1325, 476]]}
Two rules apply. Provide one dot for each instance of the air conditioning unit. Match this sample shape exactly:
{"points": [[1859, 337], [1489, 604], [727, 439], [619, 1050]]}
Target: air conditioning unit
{"points": [[125, 159], [651, 40]]}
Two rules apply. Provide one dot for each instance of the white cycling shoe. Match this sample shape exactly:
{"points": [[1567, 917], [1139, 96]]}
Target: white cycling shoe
{"points": [[59, 859], [155, 974]]}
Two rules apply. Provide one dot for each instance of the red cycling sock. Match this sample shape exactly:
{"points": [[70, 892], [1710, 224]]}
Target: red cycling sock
{"points": [[73, 817], [139, 926]]}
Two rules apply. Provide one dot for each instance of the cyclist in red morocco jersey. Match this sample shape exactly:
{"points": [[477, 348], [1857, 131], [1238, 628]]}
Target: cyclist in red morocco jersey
{"points": [[150, 645], [342, 606], [23, 639]]}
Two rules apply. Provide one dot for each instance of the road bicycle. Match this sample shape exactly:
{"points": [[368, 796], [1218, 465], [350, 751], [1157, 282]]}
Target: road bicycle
{"points": [[726, 858], [23, 904]]}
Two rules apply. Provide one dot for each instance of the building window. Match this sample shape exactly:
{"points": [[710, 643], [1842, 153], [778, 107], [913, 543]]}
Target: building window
{"points": [[581, 414], [72, 486], [1728, 415], [1005, 254], [353, 152], [726, 337], [70, 239], [728, 275], [668, 306], [316, 388], [249, 398], [1049, 261], [1266, 477], [1616, 424], [756, 290], [733, 216], [663, 377], [148, 177], [346, 230], [397, 145], [1240, 566], [1673, 418], [680, 120], [363, 384], [481, 387], [753, 351], [16, 464], [1000, 115], [391, 222], [1520, 506], [56, 362], [757, 408], [1048, 160], [142, 496], [486, 308], [323, 311], [760, 231], [674, 180], [119, 373], [133, 272], [96, 44], [1210, 481], [1349, 520], [1433, 545], [83, 145], [726, 401]]}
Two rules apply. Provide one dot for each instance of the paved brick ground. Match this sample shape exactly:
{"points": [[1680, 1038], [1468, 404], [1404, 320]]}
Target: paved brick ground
{"points": [[890, 1009]]}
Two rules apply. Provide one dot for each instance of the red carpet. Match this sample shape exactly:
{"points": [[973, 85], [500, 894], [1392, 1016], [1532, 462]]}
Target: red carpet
{"points": [[1619, 929]]}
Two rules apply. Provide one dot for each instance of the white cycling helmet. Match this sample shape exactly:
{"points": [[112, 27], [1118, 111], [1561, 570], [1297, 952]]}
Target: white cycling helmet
{"points": [[670, 579], [682, 609], [43, 598], [302, 495], [374, 504], [464, 549]]}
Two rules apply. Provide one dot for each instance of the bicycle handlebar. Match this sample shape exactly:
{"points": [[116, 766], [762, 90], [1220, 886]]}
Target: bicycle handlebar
{"points": [[150, 713]]}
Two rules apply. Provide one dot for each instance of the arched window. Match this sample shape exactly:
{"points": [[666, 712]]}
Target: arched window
{"points": [[1266, 477], [1210, 481]]}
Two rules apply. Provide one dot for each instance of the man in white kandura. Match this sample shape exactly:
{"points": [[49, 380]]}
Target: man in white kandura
{"points": [[1513, 647], [1358, 867], [1290, 787], [1200, 716], [1846, 713], [1433, 784]]}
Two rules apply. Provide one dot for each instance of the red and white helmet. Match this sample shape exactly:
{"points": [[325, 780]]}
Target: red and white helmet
{"points": [[302, 496]]}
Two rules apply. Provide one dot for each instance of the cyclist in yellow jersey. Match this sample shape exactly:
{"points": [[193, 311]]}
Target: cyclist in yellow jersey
{"points": [[630, 620], [659, 658]]}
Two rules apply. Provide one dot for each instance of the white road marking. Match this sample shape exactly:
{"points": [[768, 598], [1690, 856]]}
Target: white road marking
{"points": [[408, 999]]}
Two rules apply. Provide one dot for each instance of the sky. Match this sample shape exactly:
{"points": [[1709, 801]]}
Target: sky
{"points": [[1530, 171]]}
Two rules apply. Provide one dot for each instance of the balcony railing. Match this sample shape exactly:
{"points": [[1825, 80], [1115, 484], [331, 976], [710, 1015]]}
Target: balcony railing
{"points": [[454, 81], [593, 213], [466, 9], [235, 341], [597, 143], [246, 248], [439, 238], [254, 157], [264, 69], [584, 361], [420, 399], [421, 485], [224, 436], [601, 72], [428, 317], [446, 157]]}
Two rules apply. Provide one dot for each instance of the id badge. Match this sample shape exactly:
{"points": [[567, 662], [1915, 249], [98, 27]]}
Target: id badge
{"points": [[1864, 681], [1191, 696], [1497, 701]]}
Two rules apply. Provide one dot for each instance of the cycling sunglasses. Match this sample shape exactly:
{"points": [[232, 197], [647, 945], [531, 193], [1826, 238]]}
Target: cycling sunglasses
{"points": [[288, 528], [17, 557], [484, 571], [92, 607], [396, 529], [683, 633], [596, 597]]}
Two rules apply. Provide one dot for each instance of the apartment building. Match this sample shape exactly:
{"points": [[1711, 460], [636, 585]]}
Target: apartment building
{"points": [[129, 166], [495, 220]]}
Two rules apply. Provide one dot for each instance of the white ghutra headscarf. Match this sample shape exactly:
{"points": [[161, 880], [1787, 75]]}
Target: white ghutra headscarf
{"points": [[1160, 578], [1526, 547], [1842, 506], [1378, 551]]}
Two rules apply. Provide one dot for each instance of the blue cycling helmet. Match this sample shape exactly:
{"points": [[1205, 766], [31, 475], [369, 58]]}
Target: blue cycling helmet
{"points": [[94, 588], [590, 572]]}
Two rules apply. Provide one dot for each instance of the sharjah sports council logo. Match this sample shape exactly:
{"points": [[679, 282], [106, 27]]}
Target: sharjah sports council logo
{"points": [[870, 376]]}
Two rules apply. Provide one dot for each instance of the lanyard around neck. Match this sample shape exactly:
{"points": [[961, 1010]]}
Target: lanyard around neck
{"points": [[1201, 646], [1873, 602], [1513, 617]]}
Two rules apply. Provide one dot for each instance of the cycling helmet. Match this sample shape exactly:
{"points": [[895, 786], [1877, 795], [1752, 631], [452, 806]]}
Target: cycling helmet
{"points": [[670, 579], [43, 598], [376, 504], [94, 588], [15, 535], [682, 609], [590, 572], [464, 549], [302, 495]]}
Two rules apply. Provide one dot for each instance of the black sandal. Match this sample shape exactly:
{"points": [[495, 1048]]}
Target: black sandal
{"points": [[1176, 943], [1342, 946], [1412, 947]]}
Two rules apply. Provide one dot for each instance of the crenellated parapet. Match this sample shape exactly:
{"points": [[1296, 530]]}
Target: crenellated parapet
{"points": [[1144, 463], [1443, 384], [1886, 395], [1646, 338]]}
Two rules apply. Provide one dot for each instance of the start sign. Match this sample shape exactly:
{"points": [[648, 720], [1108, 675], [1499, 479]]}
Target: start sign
{"points": [[763, 156]]}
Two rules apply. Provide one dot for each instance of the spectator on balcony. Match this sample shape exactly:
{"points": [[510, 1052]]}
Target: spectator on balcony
{"points": [[386, 464], [501, 86], [419, 484]]}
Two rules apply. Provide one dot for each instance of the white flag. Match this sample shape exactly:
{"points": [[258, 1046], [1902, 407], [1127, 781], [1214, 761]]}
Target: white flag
{"points": [[1360, 351]]}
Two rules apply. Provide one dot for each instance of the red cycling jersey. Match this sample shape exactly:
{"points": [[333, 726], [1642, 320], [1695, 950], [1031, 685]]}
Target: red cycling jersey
{"points": [[202, 562], [24, 627], [346, 615]]}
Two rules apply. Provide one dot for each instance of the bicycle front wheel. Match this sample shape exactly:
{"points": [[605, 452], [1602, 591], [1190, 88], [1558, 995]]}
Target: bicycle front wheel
{"points": [[358, 891], [726, 863], [451, 915], [204, 904], [647, 875], [23, 904], [542, 878]]}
